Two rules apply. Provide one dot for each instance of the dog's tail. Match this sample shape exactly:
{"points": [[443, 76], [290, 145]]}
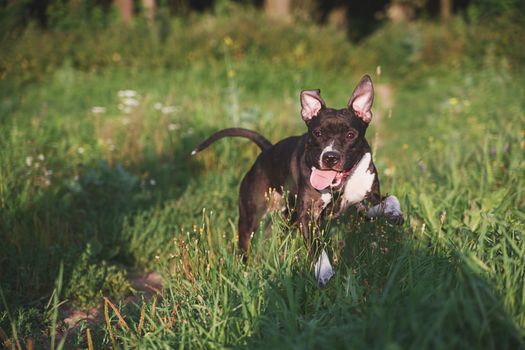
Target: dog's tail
{"points": [[259, 140]]}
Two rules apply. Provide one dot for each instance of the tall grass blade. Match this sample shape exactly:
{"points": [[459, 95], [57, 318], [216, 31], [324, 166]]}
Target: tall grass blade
{"points": [[54, 319], [141, 319], [109, 327], [89, 339], [11, 321], [119, 316]]}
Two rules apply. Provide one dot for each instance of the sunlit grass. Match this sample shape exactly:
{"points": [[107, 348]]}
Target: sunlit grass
{"points": [[95, 174]]}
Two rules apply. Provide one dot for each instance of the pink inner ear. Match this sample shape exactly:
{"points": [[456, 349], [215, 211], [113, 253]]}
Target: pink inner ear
{"points": [[361, 104], [362, 99], [310, 106], [310, 110]]}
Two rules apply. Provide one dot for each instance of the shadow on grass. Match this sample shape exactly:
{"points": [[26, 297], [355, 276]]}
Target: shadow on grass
{"points": [[82, 219], [390, 291]]}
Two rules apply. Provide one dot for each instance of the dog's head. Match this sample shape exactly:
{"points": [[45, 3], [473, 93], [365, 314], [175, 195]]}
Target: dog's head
{"points": [[336, 137]]}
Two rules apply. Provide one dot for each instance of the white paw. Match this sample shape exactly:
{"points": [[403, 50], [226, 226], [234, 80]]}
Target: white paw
{"points": [[390, 208], [323, 269]]}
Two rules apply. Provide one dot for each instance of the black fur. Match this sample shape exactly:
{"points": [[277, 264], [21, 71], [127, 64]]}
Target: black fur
{"points": [[286, 167]]}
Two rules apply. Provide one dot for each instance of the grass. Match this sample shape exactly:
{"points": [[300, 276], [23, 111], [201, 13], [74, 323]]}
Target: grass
{"points": [[104, 193]]}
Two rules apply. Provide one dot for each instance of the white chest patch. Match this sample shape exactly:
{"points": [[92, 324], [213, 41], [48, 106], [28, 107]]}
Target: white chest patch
{"points": [[326, 197], [360, 182]]}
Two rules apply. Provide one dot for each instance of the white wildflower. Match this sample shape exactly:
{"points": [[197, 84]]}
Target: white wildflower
{"points": [[152, 182], [168, 109], [157, 106], [41, 157], [29, 160], [173, 126], [98, 110], [389, 171], [80, 150], [127, 93], [130, 102]]}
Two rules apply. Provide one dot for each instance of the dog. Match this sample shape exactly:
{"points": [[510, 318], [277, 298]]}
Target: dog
{"points": [[326, 170]]}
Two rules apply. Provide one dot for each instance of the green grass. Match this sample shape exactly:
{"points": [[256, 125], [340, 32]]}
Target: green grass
{"points": [[102, 194]]}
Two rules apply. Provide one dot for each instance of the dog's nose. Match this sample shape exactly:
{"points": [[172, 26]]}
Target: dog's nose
{"points": [[331, 158]]}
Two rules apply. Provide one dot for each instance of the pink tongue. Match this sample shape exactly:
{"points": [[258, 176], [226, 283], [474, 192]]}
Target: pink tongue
{"points": [[321, 179]]}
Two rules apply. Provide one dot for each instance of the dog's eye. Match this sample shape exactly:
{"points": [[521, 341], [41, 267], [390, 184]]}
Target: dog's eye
{"points": [[351, 135], [318, 133]]}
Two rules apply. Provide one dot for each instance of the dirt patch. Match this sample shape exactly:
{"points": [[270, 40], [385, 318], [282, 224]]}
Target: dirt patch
{"points": [[145, 284]]}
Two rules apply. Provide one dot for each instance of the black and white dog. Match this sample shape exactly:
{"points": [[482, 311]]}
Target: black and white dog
{"points": [[326, 170]]}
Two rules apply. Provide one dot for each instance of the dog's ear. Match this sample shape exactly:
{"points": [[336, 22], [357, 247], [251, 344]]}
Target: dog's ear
{"points": [[311, 104], [362, 99]]}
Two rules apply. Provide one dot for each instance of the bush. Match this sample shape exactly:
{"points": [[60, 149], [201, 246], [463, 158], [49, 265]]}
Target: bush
{"points": [[92, 279]]}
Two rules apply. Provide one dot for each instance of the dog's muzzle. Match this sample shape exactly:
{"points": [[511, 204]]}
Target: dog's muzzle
{"points": [[331, 159]]}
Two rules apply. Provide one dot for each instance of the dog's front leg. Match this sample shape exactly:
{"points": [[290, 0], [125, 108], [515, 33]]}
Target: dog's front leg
{"points": [[388, 207], [309, 224], [305, 225], [308, 218]]}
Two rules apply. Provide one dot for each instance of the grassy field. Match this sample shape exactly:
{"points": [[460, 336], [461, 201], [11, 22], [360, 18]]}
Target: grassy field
{"points": [[96, 183]]}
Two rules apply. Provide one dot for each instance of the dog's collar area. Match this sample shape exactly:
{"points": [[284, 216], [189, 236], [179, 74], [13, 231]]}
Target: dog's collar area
{"points": [[321, 179], [340, 178]]}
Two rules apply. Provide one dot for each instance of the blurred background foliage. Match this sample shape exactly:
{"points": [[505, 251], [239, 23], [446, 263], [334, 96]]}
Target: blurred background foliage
{"points": [[358, 17], [156, 35]]}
